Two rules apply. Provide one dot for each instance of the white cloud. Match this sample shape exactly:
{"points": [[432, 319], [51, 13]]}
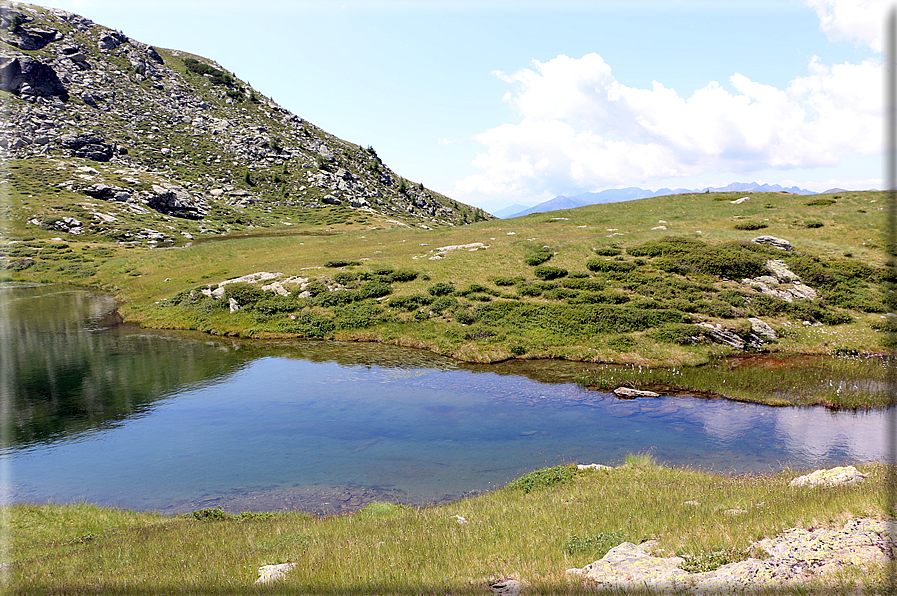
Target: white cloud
{"points": [[860, 21], [581, 127]]}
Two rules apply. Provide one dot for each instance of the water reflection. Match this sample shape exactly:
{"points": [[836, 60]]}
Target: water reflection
{"points": [[179, 421]]}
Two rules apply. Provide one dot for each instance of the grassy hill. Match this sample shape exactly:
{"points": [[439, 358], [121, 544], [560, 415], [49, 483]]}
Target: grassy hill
{"points": [[626, 283]]}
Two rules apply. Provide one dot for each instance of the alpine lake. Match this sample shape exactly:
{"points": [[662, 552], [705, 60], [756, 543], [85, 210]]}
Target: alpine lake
{"points": [[168, 421]]}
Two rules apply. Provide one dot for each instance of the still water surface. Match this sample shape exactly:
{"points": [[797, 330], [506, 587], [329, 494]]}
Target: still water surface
{"points": [[167, 421]]}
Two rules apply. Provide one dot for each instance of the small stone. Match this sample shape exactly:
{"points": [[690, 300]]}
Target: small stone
{"points": [[774, 242], [507, 587]]}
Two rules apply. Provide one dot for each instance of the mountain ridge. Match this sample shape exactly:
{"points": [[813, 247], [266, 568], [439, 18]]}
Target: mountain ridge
{"points": [[140, 144], [615, 195]]}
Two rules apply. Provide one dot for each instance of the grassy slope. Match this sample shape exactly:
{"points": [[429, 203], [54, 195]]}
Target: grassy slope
{"points": [[389, 549]]}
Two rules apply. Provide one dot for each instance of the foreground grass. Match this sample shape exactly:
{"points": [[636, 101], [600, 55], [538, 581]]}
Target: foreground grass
{"points": [[534, 529]]}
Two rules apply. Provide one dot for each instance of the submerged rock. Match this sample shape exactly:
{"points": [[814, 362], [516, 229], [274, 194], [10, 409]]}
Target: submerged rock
{"points": [[627, 393]]}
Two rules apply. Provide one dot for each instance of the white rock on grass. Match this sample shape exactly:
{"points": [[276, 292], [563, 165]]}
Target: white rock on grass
{"points": [[270, 573], [838, 476]]}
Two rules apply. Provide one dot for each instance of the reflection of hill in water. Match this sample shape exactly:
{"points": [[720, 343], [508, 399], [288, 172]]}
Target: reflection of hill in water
{"points": [[67, 374]]}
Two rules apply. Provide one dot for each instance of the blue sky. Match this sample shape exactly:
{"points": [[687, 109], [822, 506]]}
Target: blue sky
{"points": [[499, 102]]}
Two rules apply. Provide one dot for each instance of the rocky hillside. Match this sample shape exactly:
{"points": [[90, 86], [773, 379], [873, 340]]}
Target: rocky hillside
{"points": [[108, 137]]}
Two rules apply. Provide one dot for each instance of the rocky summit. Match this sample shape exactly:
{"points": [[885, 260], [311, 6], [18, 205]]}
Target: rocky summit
{"points": [[106, 136]]}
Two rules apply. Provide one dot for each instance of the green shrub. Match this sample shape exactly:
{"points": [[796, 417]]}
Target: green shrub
{"points": [[820, 202], [750, 225], [402, 275], [813, 223], [336, 263], [608, 251], [359, 315], [678, 333], [544, 478], [412, 302], [608, 297], [507, 281], [275, 304], [465, 317], [538, 258], [308, 324], [560, 294], [216, 514], [712, 560], [374, 289], [315, 287], [547, 272], [244, 293], [444, 303], [345, 278], [669, 246], [441, 289], [621, 343], [580, 283], [528, 290], [518, 350], [609, 265]]}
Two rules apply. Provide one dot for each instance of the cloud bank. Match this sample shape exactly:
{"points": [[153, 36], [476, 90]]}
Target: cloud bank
{"points": [[580, 127]]}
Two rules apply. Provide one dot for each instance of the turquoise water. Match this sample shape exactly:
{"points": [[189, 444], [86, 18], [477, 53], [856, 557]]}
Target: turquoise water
{"points": [[326, 427]]}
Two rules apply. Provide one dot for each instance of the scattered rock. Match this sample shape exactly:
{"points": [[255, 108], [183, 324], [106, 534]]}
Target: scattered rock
{"points": [[693, 503], [593, 467], [740, 201], [734, 511], [628, 393], [32, 39], [233, 305], [773, 242], [271, 573], [88, 145], [839, 476]]}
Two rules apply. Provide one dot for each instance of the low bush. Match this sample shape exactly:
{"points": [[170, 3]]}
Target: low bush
{"points": [[608, 251], [609, 265], [547, 272], [410, 303], [678, 333], [669, 246], [507, 281], [336, 263], [544, 478], [441, 289], [750, 225], [538, 258], [820, 202], [244, 293]]}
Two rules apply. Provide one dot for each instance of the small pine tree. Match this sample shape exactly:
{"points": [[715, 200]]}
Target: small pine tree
{"points": [[403, 188], [247, 179]]}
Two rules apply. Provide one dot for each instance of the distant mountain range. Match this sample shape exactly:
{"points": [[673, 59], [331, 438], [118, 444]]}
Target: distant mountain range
{"points": [[616, 195]]}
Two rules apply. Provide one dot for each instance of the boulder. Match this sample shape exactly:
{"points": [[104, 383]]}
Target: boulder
{"points": [[271, 573], [23, 75], [722, 335], [630, 567], [838, 476], [177, 202], [507, 587], [780, 269], [108, 193], [740, 201], [773, 242], [762, 328], [89, 146]]}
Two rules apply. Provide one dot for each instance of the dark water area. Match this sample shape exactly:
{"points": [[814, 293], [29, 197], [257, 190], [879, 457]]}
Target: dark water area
{"points": [[176, 421]]}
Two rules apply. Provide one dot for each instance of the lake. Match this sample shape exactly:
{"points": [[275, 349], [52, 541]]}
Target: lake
{"points": [[177, 421]]}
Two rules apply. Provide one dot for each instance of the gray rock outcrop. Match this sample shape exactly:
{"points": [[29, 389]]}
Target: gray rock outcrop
{"points": [[838, 476], [793, 558], [177, 202], [773, 242], [26, 77]]}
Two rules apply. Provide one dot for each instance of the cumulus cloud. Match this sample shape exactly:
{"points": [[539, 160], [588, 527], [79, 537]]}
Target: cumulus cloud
{"points": [[860, 21], [581, 127]]}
